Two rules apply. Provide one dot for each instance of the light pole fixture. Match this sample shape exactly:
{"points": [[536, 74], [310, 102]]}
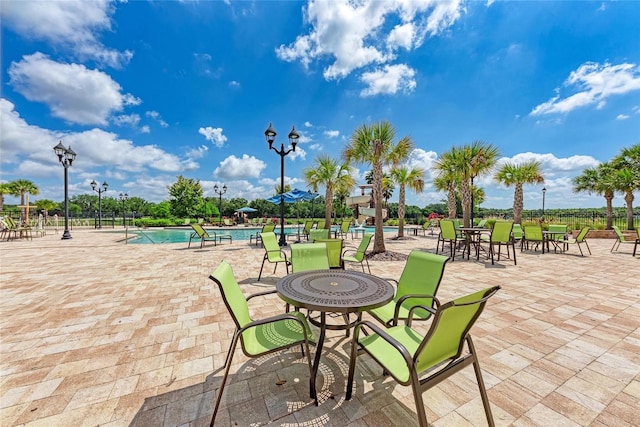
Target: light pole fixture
{"points": [[123, 198], [220, 192], [270, 135], [544, 192], [66, 156], [99, 190]]}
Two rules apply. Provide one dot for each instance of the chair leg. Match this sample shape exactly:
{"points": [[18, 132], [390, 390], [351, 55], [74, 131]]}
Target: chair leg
{"points": [[261, 267], [417, 397], [588, 248], [481, 386], [514, 254], [234, 341], [368, 268]]}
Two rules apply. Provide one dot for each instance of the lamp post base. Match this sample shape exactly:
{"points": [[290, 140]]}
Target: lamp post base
{"points": [[66, 235]]}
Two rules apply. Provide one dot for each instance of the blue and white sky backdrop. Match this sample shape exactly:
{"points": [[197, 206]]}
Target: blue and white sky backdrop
{"points": [[144, 91]]}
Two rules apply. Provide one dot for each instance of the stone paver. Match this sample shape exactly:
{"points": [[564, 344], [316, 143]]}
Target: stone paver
{"points": [[98, 332]]}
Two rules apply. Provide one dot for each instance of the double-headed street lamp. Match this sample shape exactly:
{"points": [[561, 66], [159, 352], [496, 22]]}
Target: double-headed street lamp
{"points": [[220, 192], [270, 135], [123, 198], [94, 186], [544, 192], [66, 156]]}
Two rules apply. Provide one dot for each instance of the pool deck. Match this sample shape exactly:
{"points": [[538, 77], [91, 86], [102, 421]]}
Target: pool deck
{"points": [[98, 332]]}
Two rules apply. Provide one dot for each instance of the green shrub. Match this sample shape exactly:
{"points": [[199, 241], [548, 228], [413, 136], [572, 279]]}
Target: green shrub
{"points": [[160, 222]]}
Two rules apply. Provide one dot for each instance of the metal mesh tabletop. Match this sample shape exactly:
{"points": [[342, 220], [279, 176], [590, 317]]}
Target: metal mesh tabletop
{"points": [[335, 290]]}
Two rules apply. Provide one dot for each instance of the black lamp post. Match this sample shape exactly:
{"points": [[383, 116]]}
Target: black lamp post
{"points": [[123, 199], [66, 156], [220, 192], [270, 135], [94, 186], [544, 192]]}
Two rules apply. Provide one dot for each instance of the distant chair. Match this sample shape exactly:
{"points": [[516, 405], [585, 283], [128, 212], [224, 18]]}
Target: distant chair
{"points": [[501, 235], [318, 233], [518, 233], [265, 229], [358, 254], [580, 238], [334, 251], [449, 234], [207, 236], [620, 239], [558, 239], [308, 225], [320, 224], [430, 226], [344, 228], [272, 252], [532, 234], [309, 256], [261, 336]]}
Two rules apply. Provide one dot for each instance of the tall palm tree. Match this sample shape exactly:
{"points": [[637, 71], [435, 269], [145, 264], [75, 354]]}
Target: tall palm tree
{"points": [[23, 187], [387, 189], [516, 175], [374, 145], [406, 176], [627, 177], [331, 174], [599, 180], [447, 180], [6, 189], [472, 161]]}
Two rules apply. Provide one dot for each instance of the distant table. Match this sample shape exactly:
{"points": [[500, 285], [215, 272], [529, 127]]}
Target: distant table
{"points": [[548, 236], [333, 291], [413, 228], [473, 236]]}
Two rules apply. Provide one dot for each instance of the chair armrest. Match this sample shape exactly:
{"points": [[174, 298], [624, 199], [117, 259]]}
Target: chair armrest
{"points": [[383, 334], [259, 294], [283, 316]]}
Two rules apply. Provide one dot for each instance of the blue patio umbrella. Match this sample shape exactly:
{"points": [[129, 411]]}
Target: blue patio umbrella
{"points": [[294, 196], [246, 209]]}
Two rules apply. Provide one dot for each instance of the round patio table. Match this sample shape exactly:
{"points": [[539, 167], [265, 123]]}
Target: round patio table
{"points": [[333, 291]]}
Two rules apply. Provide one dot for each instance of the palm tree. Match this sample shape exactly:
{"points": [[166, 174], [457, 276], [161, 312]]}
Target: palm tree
{"points": [[22, 187], [516, 175], [447, 180], [627, 177], [373, 145], [472, 161], [598, 180], [406, 176], [334, 176], [6, 189], [387, 189]]}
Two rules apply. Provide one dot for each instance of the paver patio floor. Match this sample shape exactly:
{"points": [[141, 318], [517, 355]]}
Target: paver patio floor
{"points": [[98, 332]]}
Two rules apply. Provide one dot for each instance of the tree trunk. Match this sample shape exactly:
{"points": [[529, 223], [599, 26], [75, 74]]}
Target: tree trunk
{"points": [[609, 198], [466, 203], [328, 208], [518, 204], [451, 202], [378, 242], [628, 197], [401, 212]]}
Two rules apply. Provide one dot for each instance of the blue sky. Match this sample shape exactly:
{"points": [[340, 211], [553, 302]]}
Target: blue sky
{"points": [[144, 91]]}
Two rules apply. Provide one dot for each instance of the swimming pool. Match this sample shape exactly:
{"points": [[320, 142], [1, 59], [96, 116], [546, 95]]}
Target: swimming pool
{"points": [[181, 235]]}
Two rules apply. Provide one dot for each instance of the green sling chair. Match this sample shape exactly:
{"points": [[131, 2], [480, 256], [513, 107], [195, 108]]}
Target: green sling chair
{"points": [[358, 254], [406, 355], [272, 252], [580, 238], [417, 286], [257, 337]]}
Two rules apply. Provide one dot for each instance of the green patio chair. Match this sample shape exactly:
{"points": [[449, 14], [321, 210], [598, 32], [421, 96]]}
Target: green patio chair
{"points": [[557, 240], [517, 233], [272, 252], [501, 235], [344, 229], [308, 225], [449, 234], [533, 235], [257, 337], [334, 250], [620, 239], [320, 225], [318, 233], [417, 286], [203, 235], [309, 256], [580, 238], [358, 254], [407, 356], [265, 229]]}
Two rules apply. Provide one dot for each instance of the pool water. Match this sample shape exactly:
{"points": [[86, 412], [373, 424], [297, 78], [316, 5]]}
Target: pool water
{"points": [[177, 235]]}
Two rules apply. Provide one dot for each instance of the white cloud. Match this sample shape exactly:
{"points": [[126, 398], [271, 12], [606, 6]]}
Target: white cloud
{"points": [[214, 135], [389, 80], [197, 153], [331, 133], [622, 117], [349, 33], [72, 92], [237, 168], [234, 84], [156, 116], [593, 83], [71, 25], [308, 124], [127, 120]]}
